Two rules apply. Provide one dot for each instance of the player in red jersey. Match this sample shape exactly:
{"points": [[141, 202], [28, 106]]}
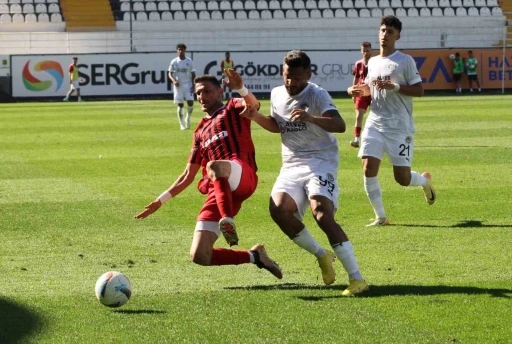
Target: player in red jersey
{"points": [[361, 103], [222, 147]]}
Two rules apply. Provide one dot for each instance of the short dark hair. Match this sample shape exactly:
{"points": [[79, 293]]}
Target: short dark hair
{"points": [[391, 21], [181, 46], [207, 78], [75, 58], [366, 44], [296, 59], [470, 51]]}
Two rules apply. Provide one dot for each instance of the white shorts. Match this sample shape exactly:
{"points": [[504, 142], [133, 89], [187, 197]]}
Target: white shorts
{"points": [[183, 93], [398, 147], [74, 85], [301, 184]]}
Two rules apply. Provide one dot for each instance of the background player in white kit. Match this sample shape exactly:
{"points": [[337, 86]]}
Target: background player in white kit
{"points": [[182, 74], [392, 81], [306, 117]]}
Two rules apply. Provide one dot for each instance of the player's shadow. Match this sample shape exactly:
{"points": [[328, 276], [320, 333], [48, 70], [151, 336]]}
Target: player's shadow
{"points": [[139, 311], [383, 290], [17, 323], [462, 224]]}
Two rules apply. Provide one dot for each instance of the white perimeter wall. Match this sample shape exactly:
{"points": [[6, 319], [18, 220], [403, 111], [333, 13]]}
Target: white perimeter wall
{"points": [[257, 35]]}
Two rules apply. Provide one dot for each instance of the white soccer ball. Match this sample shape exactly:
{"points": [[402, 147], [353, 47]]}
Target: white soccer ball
{"points": [[452, 56], [113, 289]]}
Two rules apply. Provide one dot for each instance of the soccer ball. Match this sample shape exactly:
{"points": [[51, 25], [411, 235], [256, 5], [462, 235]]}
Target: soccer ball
{"points": [[113, 289], [452, 56]]}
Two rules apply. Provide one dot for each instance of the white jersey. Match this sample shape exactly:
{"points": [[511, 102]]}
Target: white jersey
{"points": [[182, 71], [391, 111], [304, 144]]}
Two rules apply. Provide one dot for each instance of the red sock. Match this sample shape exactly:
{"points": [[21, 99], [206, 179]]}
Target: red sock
{"points": [[223, 256], [357, 131], [223, 197]]}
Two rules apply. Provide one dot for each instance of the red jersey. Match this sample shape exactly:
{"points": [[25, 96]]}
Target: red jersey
{"points": [[224, 136], [360, 71]]}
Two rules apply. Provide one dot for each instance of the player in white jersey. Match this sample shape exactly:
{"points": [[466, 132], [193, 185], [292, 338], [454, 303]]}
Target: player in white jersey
{"points": [[182, 74], [306, 117], [392, 81]]}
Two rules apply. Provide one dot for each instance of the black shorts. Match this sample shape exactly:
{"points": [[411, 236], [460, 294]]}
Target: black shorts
{"points": [[457, 77], [473, 77]]}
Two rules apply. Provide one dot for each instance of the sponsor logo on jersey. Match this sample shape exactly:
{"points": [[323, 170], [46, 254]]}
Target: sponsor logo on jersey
{"points": [[214, 138], [393, 66], [291, 127]]}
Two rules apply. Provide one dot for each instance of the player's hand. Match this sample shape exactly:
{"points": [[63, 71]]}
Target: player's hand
{"points": [[360, 91], [383, 85], [176, 83], [249, 112], [150, 209], [299, 115], [234, 80]]}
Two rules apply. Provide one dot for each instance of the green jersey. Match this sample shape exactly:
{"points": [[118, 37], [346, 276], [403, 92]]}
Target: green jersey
{"points": [[471, 63], [458, 66]]}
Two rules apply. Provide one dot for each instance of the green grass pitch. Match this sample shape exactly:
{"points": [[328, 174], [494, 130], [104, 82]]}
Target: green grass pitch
{"points": [[72, 176]]}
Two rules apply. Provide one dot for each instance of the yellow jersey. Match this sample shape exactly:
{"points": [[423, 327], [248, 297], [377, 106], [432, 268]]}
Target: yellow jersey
{"points": [[226, 64], [73, 72]]}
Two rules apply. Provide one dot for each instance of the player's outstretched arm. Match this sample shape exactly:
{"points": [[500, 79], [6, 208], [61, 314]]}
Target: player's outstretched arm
{"points": [[235, 82], [181, 183], [359, 91], [266, 122]]}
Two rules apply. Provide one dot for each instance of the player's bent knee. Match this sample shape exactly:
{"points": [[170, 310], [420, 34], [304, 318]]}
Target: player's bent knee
{"points": [[201, 258]]}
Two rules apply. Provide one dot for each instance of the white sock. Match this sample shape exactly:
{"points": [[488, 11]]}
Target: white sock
{"points": [[417, 179], [306, 241], [180, 117], [251, 257], [374, 192], [187, 117], [470, 90], [345, 253]]}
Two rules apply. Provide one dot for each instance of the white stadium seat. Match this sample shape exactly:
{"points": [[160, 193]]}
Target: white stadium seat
{"points": [[266, 14], [396, 3], [28, 8], [274, 5], [141, 16], [384, 3], [30, 18], [473, 12], [299, 4], [212, 5], [456, 3], [224, 5], [444, 3], [240, 14], [437, 12], [175, 6], [204, 15], [278, 14], [179, 15], [432, 3], [154, 16], [5, 18], [25, 2], [188, 6], [348, 4], [18, 18], [4, 1], [16, 8], [420, 3], [4, 9], [163, 6], [449, 12], [249, 5], [376, 12], [237, 5], [15, 1], [480, 3], [191, 15], [216, 15], [43, 18], [340, 13], [315, 14], [412, 12], [485, 11], [468, 3], [125, 7], [408, 3], [39, 1], [291, 14], [492, 3], [401, 12], [328, 13], [166, 16], [52, 1], [262, 5], [311, 4], [41, 8], [389, 12], [254, 14], [201, 6], [496, 11], [335, 4], [138, 7], [372, 4], [151, 6], [359, 4], [364, 13], [323, 4], [229, 15], [56, 18], [461, 12], [352, 13], [303, 14], [425, 12]]}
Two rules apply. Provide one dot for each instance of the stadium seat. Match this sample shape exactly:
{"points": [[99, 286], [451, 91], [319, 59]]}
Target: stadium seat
{"points": [[18, 18], [315, 14], [188, 6], [28, 8], [262, 5], [461, 12], [364, 13], [437, 12], [204, 15], [286, 5], [492, 3], [15, 1], [444, 3], [179, 15], [229, 15], [449, 12], [216, 15], [254, 14], [237, 5], [224, 5], [496, 11], [396, 3], [138, 7], [303, 14], [15, 8], [485, 11], [25, 2], [166, 16], [323, 4], [401, 12], [291, 14], [154, 16], [240, 14], [45, 18], [30, 18], [412, 12], [311, 4], [420, 4], [5, 18], [359, 4], [249, 5], [384, 3], [480, 3], [389, 11], [408, 3], [150, 6], [468, 3], [432, 3], [335, 4], [328, 13], [348, 4], [4, 9], [372, 4], [39, 1], [352, 13], [163, 6], [473, 12], [175, 6], [278, 14], [425, 12], [56, 18], [376, 12], [456, 3], [340, 13], [125, 7], [191, 15], [4, 1], [274, 5], [298, 5], [141, 16], [52, 1], [266, 14]]}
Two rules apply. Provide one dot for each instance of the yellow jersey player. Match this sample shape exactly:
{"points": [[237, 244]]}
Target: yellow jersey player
{"points": [[73, 80], [225, 65]]}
